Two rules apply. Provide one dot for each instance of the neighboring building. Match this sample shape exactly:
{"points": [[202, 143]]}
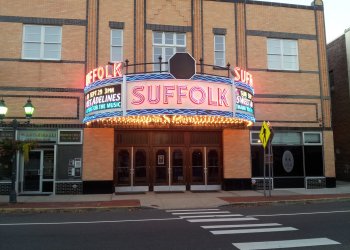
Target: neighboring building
{"points": [[139, 128], [338, 53]]}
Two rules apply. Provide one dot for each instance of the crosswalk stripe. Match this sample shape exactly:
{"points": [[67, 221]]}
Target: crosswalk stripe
{"points": [[192, 210], [254, 230], [285, 244], [243, 225], [222, 219], [218, 212], [210, 216]]}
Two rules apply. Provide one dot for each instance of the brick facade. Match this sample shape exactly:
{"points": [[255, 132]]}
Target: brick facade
{"points": [[338, 66], [290, 100]]}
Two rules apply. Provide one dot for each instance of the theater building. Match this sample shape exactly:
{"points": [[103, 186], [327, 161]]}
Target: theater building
{"points": [[154, 95]]}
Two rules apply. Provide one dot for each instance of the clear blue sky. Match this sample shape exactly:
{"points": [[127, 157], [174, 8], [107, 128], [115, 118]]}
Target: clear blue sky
{"points": [[337, 15]]}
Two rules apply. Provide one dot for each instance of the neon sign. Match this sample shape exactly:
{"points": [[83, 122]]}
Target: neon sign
{"points": [[240, 75], [179, 94], [102, 99], [105, 72], [244, 101]]}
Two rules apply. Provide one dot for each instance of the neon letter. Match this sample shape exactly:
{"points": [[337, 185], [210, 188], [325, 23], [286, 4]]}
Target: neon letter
{"points": [[210, 98], [222, 97], [157, 97], [193, 98], [180, 94], [167, 93], [140, 96]]}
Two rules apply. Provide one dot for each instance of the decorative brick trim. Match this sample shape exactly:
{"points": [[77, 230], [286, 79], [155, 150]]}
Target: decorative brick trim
{"points": [[5, 188], [116, 25], [39, 89], [168, 28], [69, 187], [219, 31], [41, 61], [292, 103], [286, 71], [49, 97], [286, 5], [282, 35], [42, 21]]}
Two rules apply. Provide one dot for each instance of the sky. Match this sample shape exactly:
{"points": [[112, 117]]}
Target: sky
{"points": [[337, 15]]}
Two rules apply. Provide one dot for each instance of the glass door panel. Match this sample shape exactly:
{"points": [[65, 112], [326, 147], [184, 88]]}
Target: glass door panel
{"points": [[123, 167], [161, 166], [197, 165], [213, 166], [177, 164], [31, 172], [140, 163], [48, 164]]}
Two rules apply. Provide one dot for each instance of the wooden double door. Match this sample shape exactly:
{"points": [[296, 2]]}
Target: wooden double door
{"points": [[167, 168]]}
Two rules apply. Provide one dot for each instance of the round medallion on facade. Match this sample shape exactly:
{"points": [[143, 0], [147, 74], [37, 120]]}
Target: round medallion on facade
{"points": [[182, 66], [288, 161]]}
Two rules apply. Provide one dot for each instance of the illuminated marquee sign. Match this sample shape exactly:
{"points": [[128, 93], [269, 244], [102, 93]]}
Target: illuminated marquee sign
{"points": [[105, 72], [240, 75], [104, 98], [179, 94], [144, 97], [244, 101]]}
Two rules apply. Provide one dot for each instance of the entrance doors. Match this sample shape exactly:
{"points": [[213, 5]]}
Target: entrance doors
{"points": [[38, 172], [167, 160], [131, 169], [205, 168], [168, 167]]}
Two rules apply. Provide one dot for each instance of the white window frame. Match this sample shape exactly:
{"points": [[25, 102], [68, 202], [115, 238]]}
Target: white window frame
{"points": [[121, 45], [282, 54], [251, 138], [216, 50], [312, 143], [42, 43], [163, 45]]}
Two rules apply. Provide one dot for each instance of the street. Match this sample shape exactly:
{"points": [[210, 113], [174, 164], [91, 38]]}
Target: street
{"points": [[321, 225]]}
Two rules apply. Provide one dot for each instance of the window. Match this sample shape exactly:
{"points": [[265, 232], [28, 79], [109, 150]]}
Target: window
{"points": [[282, 54], [312, 138], [42, 42], [166, 44], [116, 45], [219, 50]]}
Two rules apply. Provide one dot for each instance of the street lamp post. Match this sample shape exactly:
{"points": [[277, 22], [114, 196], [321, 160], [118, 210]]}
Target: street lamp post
{"points": [[28, 110]]}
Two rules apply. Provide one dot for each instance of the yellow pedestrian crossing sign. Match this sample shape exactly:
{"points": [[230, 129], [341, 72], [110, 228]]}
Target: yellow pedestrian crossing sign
{"points": [[265, 133]]}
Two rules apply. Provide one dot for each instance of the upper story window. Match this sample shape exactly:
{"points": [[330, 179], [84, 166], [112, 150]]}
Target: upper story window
{"points": [[42, 42], [116, 45], [219, 50], [282, 54], [166, 44]]}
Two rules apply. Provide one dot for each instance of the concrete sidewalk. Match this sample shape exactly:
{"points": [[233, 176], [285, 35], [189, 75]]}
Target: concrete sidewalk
{"points": [[175, 200]]}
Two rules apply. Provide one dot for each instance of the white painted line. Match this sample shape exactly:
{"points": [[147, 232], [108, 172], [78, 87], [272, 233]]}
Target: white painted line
{"points": [[219, 212], [285, 244], [311, 213], [210, 216], [192, 210], [243, 225], [254, 230], [222, 219], [84, 222]]}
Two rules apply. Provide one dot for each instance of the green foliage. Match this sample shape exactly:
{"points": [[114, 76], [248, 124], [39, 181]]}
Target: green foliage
{"points": [[9, 147]]}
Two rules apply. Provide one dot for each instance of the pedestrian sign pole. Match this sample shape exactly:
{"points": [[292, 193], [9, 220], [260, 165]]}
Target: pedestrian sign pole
{"points": [[266, 136]]}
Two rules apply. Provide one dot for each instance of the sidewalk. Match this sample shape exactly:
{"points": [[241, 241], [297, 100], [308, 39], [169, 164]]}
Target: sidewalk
{"points": [[174, 200]]}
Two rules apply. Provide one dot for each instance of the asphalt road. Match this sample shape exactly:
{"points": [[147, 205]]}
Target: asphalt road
{"points": [[321, 225]]}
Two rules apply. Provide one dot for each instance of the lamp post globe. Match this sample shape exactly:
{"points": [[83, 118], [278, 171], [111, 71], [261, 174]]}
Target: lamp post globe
{"points": [[3, 109], [29, 109]]}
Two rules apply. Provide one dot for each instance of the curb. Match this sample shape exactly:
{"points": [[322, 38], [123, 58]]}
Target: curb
{"points": [[297, 201]]}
